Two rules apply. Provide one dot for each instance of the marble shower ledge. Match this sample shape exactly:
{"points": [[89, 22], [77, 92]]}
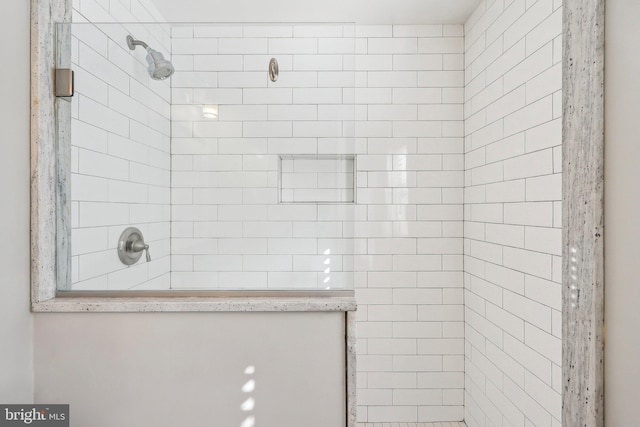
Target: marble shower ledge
{"points": [[194, 304]]}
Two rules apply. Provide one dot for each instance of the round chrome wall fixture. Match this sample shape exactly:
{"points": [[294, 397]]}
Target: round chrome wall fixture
{"points": [[131, 245], [273, 69]]}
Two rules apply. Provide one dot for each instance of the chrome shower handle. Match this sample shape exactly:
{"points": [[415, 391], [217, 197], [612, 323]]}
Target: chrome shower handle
{"points": [[139, 246]]}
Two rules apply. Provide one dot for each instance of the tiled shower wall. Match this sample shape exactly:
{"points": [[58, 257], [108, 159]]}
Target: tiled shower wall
{"points": [[409, 129], [513, 213], [120, 145], [231, 228], [406, 228]]}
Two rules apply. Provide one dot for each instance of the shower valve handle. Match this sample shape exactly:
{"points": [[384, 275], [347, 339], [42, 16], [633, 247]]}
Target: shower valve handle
{"points": [[140, 246]]}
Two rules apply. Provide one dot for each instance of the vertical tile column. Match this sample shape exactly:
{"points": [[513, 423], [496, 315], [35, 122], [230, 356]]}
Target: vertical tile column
{"points": [[409, 135], [583, 165]]}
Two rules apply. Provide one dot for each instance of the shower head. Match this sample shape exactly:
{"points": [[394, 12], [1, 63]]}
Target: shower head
{"points": [[159, 68]]}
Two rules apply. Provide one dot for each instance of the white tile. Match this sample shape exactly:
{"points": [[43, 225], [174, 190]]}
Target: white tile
{"points": [[317, 96], [267, 96], [316, 263], [243, 246], [214, 196], [242, 79], [440, 45], [324, 228], [417, 95], [217, 129], [242, 45], [310, 30], [393, 45], [417, 128], [307, 129], [217, 96], [215, 263], [198, 46], [544, 188], [417, 30], [262, 263], [242, 112], [545, 344], [444, 79], [342, 79], [393, 79], [546, 135], [102, 214], [193, 280], [220, 30], [195, 79], [534, 213], [534, 263], [267, 30], [101, 165], [440, 112], [215, 62], [392, 112], [317, 62], [374, 62], [337, 112], [294, 45]]}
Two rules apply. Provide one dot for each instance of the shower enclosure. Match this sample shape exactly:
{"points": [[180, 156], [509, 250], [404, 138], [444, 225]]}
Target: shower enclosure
{"points": [[222, 158], [240, 172]]}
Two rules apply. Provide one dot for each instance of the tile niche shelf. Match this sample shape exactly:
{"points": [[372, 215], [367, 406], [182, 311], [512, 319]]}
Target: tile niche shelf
{"points": [[317, 179]]}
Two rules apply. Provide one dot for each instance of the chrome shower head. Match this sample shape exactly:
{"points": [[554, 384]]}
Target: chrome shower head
{"points": [[159, 68]]}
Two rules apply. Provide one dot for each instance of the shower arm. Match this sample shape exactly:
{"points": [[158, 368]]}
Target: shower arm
{"points": [[132, 43], [159, 68]]}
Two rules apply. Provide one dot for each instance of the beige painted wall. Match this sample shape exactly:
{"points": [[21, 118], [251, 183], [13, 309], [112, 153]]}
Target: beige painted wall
{"points": [[622, 213], [188, 369], [15, 320]]}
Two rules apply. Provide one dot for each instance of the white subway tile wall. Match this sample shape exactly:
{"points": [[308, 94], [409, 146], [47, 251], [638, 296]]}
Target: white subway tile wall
{"points": [[252, 158], [512, 216], [120, 129], [403, 238], [410, 177], [453, 243]]}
